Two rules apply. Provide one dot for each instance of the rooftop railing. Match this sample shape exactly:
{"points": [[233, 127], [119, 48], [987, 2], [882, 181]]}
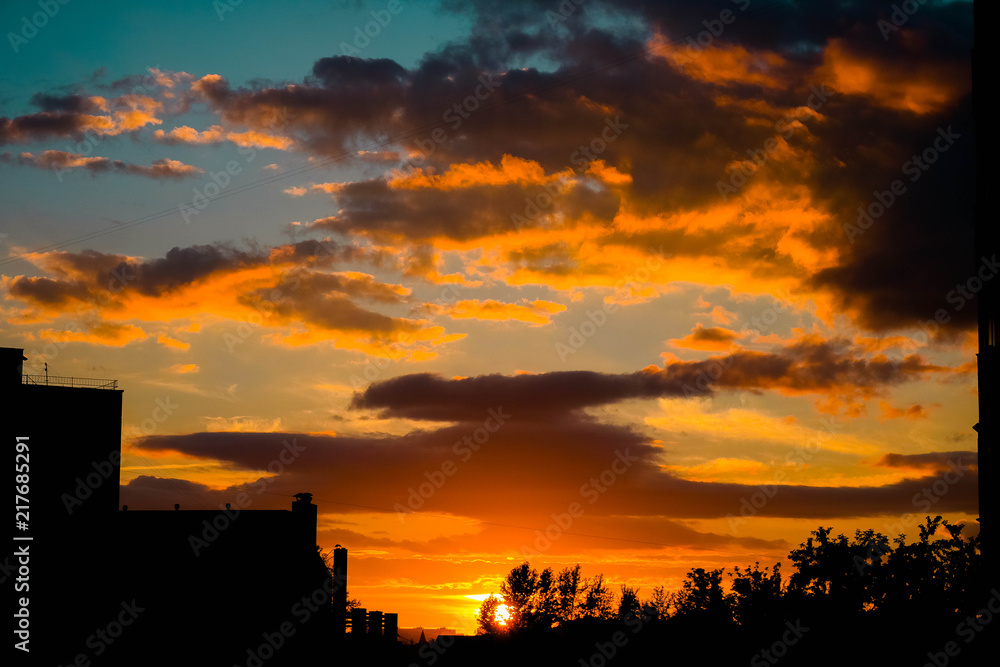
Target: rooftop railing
{"points": [[58, 381]]}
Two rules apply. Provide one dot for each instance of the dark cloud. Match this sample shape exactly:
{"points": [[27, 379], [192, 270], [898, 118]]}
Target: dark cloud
{"points": [[346, 72], [47, 291], [525, 471], [67, 103], [181, 266], [328, 301], [85, 275], [810, 366], [535, 397], [683, 127], [374, 208], [297, 294], [40, 126], [930, 460], [713, 334], [61, 161], [800, 27]]}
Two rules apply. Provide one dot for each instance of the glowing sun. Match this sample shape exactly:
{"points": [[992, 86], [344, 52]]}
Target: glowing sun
{"points": [[501, 614]]}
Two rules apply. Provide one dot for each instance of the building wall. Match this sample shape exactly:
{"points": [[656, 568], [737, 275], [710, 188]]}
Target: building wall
{"points": [[73, 437], [195, 587]]}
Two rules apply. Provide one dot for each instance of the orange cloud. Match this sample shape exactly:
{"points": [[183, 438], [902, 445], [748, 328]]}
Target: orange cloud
{"points": [[163, 339], [915, 412], [292, 305], [216, 134], [103, 333], [725, 63], [61, 161], [189, 135], [916, 85], [511, 170], [711, 339], [533, 312]]}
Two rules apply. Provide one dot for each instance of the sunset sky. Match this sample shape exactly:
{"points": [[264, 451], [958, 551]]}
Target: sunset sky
{"points": [[676, 282]]}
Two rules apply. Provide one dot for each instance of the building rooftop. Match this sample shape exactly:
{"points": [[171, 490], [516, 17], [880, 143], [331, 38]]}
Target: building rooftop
{"points": [[60, 381]]}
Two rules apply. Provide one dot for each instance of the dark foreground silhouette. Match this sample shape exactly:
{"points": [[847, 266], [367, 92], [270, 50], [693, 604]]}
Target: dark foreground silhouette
{"points": [[863, 601]]}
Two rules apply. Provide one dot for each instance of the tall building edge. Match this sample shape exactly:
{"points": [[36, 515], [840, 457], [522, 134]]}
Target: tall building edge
{"points": [[988, 304]]}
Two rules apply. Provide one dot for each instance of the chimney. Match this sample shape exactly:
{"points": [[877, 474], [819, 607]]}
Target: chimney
{"points": [[340, 588]]}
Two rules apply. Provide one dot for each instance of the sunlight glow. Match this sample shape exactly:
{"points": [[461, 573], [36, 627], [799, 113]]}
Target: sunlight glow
{"points": [[502, 614]]}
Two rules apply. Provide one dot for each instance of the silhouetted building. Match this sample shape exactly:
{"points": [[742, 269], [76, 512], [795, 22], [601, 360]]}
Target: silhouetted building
{"points": [[231, 581], [64, 435], [988, 306], [340, 589], [359, 623], [163, 587]]}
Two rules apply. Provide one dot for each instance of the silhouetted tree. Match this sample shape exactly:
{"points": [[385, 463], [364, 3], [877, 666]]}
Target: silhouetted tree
{"points": [[939, 573], [568, 586], [757, 596], [628, 604], [827, 569], [702, 596], [598, 599], [517, 591], [657, 608], [866, 589], [545, 602], [487, 617]]}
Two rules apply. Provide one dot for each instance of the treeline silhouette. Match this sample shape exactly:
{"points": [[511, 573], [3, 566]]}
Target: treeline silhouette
{"points": [[866, 600]]}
